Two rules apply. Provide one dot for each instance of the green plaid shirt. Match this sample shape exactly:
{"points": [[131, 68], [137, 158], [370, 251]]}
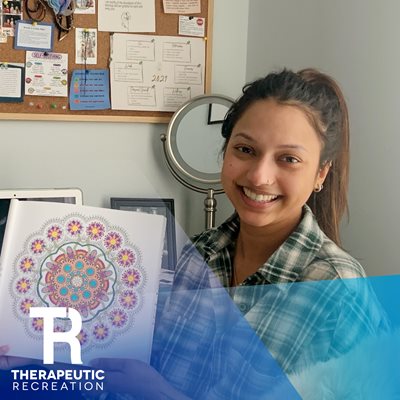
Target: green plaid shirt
{"points": [[300, 303]]}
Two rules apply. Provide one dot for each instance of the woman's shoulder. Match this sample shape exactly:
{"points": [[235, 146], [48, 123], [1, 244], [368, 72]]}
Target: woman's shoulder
{"points": [[332, 262], [325, 259]]}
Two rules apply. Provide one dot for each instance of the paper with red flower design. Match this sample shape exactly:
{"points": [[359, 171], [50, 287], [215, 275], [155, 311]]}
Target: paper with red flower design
{"points": [[103, 263]]}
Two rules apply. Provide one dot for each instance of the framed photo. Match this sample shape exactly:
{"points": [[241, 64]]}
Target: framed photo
{"points": [[163, 207], [216, 113]]}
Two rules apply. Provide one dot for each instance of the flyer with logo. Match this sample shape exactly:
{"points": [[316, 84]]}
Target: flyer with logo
{"points": [[191, 26]]}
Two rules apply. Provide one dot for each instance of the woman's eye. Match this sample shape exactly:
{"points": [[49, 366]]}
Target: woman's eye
{"points": [[244, 149], [290, 159]]}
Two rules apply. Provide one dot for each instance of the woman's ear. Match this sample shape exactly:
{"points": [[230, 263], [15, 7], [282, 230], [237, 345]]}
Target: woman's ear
{"points": [[322, 173]]}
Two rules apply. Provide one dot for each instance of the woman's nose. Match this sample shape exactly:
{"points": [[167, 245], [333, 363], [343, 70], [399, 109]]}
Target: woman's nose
{"points": [[262, 172]]}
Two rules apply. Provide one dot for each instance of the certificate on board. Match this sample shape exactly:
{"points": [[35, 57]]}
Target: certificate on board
{"points": [[37, 36]]}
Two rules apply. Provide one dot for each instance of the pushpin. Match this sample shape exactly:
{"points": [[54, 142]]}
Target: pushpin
{"points": [[39, 106], [31, 104], [53, 105], [64, 107]]}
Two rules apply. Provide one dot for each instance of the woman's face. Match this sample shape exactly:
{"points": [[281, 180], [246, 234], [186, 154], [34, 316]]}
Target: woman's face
{"points": [[271, 164]]}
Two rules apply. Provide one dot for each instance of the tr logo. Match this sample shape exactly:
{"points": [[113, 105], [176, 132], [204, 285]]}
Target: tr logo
{"points": [[50, 337]]}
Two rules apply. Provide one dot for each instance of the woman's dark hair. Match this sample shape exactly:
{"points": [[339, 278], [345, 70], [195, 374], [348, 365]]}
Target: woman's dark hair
{"points": [[320, 97]]}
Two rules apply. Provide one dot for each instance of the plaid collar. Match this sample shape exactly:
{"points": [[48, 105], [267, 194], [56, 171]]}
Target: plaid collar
{"points": [[285, 264]]}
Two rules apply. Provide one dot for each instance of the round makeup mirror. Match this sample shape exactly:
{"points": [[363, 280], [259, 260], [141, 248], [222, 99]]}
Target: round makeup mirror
{"points": [[192, 147]]}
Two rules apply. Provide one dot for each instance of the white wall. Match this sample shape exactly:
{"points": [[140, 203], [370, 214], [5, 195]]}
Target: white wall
{"points": [[119, 159], [363, 56], [357, 42], [283, 33]]}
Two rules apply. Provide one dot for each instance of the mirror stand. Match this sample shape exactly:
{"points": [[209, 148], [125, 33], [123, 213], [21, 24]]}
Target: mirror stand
{"points": [[210, 207], [210, 202]]}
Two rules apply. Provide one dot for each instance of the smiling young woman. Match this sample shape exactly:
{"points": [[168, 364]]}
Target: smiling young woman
{"points": [[286, 137], [271, 166]]}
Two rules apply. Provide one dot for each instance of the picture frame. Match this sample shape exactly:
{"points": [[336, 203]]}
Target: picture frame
{"points": [[216, 113], [163, 207]]}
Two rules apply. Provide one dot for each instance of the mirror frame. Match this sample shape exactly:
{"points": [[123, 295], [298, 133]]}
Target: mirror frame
{"points": [[171, 138]]}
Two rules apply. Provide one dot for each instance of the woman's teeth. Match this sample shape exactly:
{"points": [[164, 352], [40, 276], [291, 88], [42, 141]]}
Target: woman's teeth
{"points": [[259, 197]]}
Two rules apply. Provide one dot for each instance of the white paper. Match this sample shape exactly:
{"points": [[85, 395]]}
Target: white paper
{"points": [[114, 287], [191, 26], [126, 16], [155, 73], [34, 36], [85, 46], [177, 51], [85, 7], [128, 72], [10, 81], [182, 6], [188, 74], [3, 36], [46, 74]]}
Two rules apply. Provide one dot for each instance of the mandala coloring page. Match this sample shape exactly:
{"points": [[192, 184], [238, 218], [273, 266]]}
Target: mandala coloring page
{"points": [[86, 263]]}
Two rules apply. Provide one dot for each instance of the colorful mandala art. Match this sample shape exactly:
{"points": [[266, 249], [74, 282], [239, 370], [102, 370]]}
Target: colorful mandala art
{"points": [[84, 264]]}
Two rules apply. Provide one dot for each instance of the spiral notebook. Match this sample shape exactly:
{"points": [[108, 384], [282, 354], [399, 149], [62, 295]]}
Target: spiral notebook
{"points": [[103, 263]]}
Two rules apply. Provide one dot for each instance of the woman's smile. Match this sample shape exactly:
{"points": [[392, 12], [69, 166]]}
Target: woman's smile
{"points": [[256, 199]]}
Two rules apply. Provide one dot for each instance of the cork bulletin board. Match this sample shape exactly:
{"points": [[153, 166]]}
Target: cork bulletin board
{"points": [[56, 108]]}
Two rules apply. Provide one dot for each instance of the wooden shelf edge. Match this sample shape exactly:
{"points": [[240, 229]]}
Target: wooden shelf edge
{"points": [[84, 118]]}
